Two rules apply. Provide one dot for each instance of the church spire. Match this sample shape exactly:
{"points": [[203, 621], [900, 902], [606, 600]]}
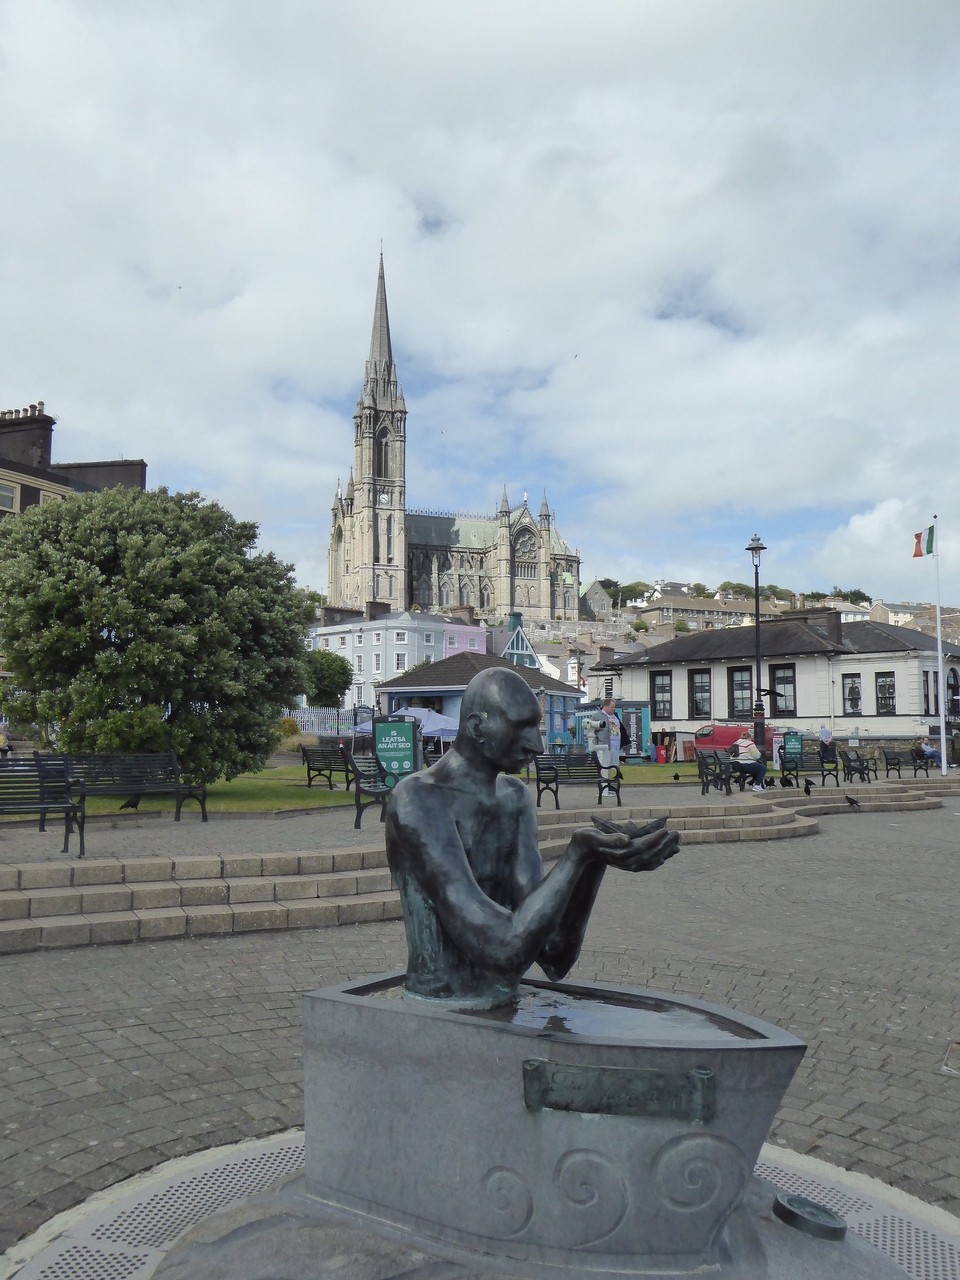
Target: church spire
{"points": [[381, 389], [381, 351]]}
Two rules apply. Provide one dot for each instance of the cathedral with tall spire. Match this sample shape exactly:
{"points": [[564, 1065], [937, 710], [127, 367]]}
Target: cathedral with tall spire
{"points": [[383, 552]]}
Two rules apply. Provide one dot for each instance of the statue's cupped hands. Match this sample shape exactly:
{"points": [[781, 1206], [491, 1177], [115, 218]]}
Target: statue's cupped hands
{"points": [[630, 847]]}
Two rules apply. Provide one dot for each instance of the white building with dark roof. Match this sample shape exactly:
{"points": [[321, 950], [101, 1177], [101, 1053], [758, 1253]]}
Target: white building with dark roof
{"points": [[863, 678]]}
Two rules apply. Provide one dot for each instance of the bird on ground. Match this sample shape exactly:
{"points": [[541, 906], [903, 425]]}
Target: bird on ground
{"points": [[676, 777], [769, 782], [807, 786], [853, 803], [786, 782]]}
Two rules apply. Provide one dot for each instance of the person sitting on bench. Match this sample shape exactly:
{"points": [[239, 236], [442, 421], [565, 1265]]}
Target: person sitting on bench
{"points": [[749, 759]]}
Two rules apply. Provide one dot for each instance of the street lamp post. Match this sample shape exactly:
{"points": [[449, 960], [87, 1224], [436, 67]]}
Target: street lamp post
{"points": [[755, 547]]}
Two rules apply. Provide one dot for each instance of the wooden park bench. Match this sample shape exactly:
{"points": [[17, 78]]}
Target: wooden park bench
{"points": [[371, 783], [556, 771], [324, 761], [718, 769], [43, 786], [133, 775], [820, 760]]}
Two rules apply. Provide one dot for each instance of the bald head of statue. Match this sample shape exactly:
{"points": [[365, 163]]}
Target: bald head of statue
{"points": [[499, 721]]}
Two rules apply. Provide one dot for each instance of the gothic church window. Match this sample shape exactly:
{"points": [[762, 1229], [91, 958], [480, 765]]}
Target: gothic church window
{"points": [[382, 462], [525, 554]]}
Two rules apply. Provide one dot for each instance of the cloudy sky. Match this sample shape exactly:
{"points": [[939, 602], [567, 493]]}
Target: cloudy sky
{"points": [[690, 267]]}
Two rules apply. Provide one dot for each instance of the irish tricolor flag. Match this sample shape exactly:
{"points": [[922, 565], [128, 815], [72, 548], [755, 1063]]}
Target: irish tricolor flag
{"points": [[923, 542]]}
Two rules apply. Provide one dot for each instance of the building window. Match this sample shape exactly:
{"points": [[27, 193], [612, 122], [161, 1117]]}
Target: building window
{"points": [[358, 663], [428, 638], [326, 642], [953, 693], [400, 637], [389, 540], [358, 638], [783, 682], [401, 661], [343, 642], [451, 642], [377, 637], [740, 692], [931, 703], [661, 694], [852, 695], [376, 663], [471, 644], [887, 693], [47, 496], [699, 687], [8, 497], [383, 453]]}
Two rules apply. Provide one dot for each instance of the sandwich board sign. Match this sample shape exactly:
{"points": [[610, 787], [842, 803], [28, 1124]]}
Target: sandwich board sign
{"points": [[396, 743]]}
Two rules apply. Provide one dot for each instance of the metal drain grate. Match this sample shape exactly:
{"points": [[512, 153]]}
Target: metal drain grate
{"points": [[81, 1263], [922, 1254], [135, 1230], [830, 1197], [160, 1219]]}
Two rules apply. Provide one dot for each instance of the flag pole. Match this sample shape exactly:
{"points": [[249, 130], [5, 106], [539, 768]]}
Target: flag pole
{"points": [[941, 688]]}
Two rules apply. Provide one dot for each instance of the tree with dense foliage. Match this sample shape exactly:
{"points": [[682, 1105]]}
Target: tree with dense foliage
{"points": [[634, 590], [139, 621], [681, 624], [329, 676], [854, 595]]}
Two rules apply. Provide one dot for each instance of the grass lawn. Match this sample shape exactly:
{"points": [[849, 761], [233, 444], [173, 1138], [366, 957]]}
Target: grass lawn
{"points": [[285, 787], [265, 792]]}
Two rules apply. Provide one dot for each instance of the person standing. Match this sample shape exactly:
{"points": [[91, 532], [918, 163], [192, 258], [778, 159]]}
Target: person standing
{"points": [[750, 760], [612, 737]]}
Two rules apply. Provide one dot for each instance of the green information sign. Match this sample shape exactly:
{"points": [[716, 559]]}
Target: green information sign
{"points": [[792, 744], [395, 742]]}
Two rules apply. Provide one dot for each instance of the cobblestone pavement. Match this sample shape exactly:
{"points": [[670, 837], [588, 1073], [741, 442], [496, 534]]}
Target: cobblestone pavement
{"points": [[118, 1058]]}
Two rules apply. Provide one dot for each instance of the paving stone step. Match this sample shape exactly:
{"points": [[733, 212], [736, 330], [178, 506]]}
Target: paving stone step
{"points": [[95, 901], [155, 923]]}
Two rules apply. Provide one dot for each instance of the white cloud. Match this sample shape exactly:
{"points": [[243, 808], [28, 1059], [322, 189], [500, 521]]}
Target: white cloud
{"points": [[693, 268]]}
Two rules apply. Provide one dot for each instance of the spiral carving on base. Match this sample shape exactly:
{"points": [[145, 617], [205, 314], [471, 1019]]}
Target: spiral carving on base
{"points": [[508, 1199], [588, 1181], [699, 1171]]}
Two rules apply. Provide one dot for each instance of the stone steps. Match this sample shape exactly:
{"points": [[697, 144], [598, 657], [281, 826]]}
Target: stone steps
{"points": [[95, 901], [751, 818], [103, 900], [872, 797]]}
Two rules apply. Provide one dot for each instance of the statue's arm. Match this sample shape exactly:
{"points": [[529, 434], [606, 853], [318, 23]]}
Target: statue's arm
{"points": [[426, 842], [562, 944]]}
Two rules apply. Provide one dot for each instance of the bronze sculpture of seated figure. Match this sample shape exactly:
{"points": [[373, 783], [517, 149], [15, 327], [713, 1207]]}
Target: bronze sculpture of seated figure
{"points": [[462, 847]]}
